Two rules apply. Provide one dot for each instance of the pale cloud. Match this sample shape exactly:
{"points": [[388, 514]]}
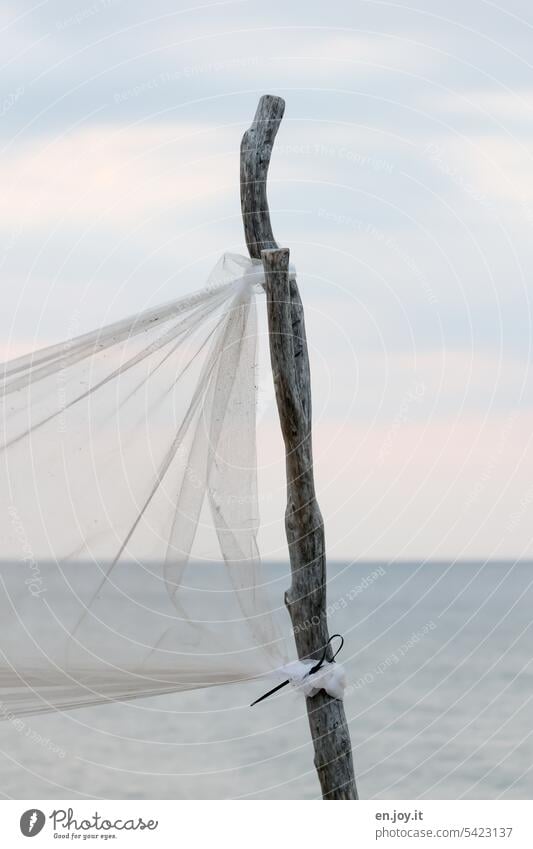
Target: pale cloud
{"points": [[504, 168], [408, 489], [502, 105], [348, 53], [491, 167], [444, 489], [399, 154], [102, 170]]}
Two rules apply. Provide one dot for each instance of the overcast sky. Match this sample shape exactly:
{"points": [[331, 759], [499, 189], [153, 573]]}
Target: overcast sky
{"points": [[402, 181]]}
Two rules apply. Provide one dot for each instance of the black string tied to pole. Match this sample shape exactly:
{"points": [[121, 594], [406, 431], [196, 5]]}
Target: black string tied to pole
{"points": [[312, 671]]}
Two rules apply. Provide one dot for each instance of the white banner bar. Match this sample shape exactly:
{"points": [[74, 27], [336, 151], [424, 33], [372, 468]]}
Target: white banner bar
{"points": [[258, 824]]}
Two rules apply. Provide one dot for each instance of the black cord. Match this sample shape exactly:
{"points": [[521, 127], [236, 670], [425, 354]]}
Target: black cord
{"points": [[312, 671]]}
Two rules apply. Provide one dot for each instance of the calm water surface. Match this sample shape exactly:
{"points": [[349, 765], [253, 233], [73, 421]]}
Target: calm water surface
{"points": [[439, 661]]}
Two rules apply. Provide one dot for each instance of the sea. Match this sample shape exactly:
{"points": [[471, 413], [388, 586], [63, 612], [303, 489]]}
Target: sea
{"points": [[439, 665]]}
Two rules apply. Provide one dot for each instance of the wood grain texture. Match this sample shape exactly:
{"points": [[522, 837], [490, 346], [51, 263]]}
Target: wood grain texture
{"points": [[306, 597], [256, 148]]}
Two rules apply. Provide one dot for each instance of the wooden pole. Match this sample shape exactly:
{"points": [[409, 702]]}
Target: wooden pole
{"points": [[306, 598]]}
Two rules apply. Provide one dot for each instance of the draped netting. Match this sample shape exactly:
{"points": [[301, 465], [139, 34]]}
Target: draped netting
{"points": [[121, 449]]}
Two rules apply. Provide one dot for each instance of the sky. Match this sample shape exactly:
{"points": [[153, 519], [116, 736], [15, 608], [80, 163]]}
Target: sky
{"points": [[401, 181]]}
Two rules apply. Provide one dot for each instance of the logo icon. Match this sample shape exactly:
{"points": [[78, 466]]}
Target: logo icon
{"points": [[32, 822]]}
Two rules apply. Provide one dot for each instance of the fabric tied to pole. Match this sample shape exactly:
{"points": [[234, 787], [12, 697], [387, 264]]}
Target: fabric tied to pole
{"points": [[129, 507], [331, 677], [309, 676]]}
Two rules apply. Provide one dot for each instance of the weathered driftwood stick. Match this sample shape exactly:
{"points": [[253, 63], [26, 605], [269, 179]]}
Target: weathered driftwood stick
{"points": [[256, 148], [306, 598]]}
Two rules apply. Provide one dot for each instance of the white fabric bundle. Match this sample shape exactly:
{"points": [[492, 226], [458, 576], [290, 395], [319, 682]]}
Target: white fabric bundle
{"points": [[331, 677], [120, 449]]}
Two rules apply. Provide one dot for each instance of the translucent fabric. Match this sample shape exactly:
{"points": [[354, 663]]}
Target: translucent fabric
{"points": [[120, 450]]}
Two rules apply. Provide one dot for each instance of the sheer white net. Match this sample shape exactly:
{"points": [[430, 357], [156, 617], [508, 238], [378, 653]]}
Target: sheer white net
{"points": [[120, 449]]}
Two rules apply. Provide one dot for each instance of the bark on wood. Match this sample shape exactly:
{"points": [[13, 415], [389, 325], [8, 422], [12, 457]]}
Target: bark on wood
{"points": [[306, 598], [256, 148]]}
